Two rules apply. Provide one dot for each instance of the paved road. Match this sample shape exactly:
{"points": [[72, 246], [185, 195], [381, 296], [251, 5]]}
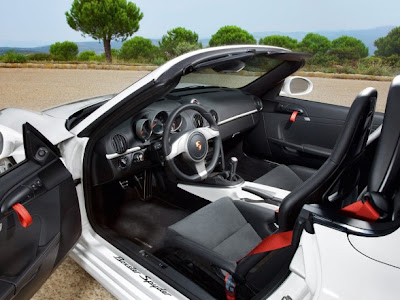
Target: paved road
{"points": [[36, 89]]}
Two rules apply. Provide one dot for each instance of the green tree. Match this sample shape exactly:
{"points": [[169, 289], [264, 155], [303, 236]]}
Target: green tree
{"points": [[231, 35], [315, 43], [64, 51], [279, 41], [390, 44], [137, 47], [178, 41], [346, 47], [105, 20]]}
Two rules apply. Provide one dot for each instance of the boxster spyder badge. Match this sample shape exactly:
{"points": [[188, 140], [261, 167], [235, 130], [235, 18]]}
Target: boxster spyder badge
{"points": [[198, 145]]}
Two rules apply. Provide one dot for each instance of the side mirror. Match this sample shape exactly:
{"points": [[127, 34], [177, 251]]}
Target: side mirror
{"points": [[10, 141], [296, 86]]}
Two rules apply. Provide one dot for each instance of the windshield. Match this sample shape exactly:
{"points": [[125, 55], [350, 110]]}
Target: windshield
{"points": [[236, 74]]}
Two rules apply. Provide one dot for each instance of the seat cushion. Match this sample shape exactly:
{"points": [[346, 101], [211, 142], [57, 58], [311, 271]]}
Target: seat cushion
{"points": [[281, 177], [218, 232]]}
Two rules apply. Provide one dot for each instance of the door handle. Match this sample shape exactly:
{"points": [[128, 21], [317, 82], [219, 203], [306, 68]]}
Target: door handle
{"points": [[289, 109], [19, 195]]}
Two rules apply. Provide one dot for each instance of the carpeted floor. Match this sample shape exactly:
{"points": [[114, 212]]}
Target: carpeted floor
{"points": [[145, 222]]}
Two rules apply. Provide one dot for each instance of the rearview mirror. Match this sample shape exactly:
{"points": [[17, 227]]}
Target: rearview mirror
{"points": [[296, 86]]}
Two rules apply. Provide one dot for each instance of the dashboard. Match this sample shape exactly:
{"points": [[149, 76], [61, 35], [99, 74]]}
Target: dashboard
{"points": [[135, 144]]}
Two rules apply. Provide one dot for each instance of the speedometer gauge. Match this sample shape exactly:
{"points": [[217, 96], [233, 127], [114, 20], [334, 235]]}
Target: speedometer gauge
{"points": [[143, 129], [176, 123]]}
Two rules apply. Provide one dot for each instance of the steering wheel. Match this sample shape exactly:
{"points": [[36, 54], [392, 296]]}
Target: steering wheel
{"points": [[192, 144]]}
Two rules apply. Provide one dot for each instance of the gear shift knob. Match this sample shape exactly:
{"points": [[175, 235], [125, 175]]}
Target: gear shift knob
{"points": [[233, 162]]}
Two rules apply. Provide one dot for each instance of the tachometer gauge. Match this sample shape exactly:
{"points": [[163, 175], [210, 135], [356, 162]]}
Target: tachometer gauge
{"points": [[158, 122], [143, 129], [157, 126], [176, 123]]}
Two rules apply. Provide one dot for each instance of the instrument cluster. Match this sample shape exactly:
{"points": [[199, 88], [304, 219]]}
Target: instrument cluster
{"points": [[153, 125]]}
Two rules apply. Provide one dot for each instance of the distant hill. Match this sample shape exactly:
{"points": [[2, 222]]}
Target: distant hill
{"points": [[368, 36]]}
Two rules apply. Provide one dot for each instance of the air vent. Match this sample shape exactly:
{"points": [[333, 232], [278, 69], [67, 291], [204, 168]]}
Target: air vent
{"points": [[198, 121], [214, 115], [119, 143]]}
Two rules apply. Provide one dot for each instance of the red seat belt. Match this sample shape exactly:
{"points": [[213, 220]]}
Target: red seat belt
{"points": [[24, 216], [273, 242], [361, 210]]}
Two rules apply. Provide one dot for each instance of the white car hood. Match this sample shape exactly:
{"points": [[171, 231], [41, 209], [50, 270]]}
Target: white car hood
{"points": [[51, 122]]}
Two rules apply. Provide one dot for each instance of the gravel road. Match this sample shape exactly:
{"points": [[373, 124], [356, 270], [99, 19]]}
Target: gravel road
{"points": [[37, 89]]}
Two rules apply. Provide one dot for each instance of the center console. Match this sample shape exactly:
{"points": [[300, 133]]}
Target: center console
{"points": [[230, 184]]}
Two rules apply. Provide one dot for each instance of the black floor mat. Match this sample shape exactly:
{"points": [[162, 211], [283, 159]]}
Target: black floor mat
{"points": [[145, 222]]}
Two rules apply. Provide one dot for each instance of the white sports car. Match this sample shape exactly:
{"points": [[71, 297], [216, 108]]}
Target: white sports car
{"points": [[206, 179]]}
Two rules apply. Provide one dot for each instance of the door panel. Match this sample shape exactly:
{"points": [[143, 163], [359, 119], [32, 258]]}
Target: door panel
{"points": [[307, 141], [45, 188]]}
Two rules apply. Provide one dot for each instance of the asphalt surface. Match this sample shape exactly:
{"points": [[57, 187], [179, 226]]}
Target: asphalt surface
{"points": [[37, 89]]}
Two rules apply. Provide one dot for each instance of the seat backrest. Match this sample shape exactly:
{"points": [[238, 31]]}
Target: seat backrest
{"points": [[336, 177], [385, 169]]}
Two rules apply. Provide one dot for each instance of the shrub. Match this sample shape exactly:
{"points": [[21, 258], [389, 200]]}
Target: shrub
{"points": [[64, 51], [13, 57], [158, 61], [137, 47], [392, 61], [87, 55], [40, 57], [279, 41], [231, 35]]}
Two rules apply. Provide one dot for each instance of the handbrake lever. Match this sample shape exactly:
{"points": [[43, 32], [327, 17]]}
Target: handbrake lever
{"points": [[268, 198]]}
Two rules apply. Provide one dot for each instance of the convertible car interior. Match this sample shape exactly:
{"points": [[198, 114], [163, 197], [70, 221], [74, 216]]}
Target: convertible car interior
{"points": [[220, 161]]}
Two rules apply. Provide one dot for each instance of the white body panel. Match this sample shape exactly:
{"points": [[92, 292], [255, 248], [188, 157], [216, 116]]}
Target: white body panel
{"points": [[326, 266], [384, 248]]}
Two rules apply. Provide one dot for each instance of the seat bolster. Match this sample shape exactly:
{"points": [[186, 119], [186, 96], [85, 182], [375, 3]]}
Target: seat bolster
{"points": [[281, 177], [303, 172], [260, 218], [174, 239]]}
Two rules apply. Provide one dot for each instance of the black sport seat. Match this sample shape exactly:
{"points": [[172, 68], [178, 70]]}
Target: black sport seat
{"points": [[224, 231], [385, 169]]}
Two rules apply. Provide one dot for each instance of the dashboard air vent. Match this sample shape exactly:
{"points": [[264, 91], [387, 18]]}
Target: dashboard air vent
{"points": [[119, 143], [198, 121], [214, 115]]}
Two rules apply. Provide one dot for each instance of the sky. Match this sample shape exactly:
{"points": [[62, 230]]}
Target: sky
{"points": [[35, 23]]}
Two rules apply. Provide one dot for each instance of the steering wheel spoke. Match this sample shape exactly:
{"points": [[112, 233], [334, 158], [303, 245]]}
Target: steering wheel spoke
{"points": [[208, 132], [178, 146], [201, 169]]}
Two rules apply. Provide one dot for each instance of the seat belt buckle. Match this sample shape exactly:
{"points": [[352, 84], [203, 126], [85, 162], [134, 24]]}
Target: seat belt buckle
{"points": [[230, 287], [277, 216]]}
